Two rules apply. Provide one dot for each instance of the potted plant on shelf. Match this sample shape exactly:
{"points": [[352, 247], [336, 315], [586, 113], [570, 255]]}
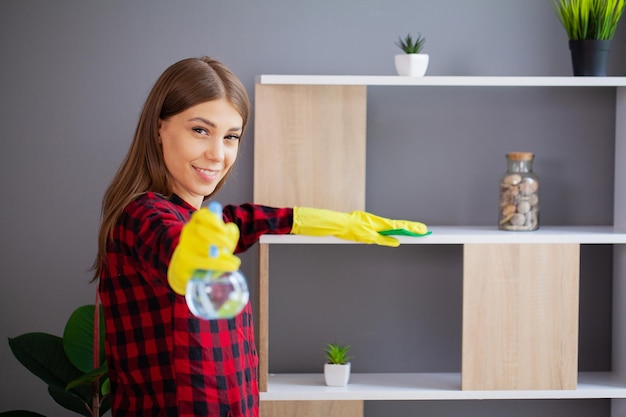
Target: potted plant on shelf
{"points": [[412, 63], [590, 26], [337, 366]]}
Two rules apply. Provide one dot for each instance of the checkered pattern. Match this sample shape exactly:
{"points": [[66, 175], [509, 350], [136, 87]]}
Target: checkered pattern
{"points": [[163, 361]]}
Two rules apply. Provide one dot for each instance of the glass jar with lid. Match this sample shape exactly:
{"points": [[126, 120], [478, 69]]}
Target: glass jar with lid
{"points": [[519, 194]]}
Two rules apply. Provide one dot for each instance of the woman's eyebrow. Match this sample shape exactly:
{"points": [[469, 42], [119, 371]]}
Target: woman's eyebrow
{"points": [[210, 123], [203, 120]]}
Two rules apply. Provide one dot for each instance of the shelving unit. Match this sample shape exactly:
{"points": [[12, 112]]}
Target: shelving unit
{"points": [[288, 106]]}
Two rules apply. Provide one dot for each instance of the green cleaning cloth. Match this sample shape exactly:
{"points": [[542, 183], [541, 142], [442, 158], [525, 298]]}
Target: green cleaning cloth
{"points": [[402, 232]]}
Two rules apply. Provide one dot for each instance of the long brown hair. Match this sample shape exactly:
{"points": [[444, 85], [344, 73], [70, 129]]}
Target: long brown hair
{"points": [[182, 85]]}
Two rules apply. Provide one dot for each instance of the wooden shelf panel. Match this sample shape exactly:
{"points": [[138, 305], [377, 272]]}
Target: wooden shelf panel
{"points": [[295, 126], [458, 235], [520, 316], [441, 81], [427, 386]]}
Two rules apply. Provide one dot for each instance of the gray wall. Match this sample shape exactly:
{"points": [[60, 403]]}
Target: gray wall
{"points": [[74, 75]]}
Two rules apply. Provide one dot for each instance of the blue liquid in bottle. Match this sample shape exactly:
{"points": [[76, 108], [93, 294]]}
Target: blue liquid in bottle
{"points": [[214, 295]]}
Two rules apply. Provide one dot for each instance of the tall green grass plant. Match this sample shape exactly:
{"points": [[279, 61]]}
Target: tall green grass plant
{"points": [[589, 19]]}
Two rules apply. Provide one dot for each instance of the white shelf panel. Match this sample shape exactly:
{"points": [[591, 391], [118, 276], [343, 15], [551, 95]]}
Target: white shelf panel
{"points": [[426, 386], [442, 81], [457, 235]]}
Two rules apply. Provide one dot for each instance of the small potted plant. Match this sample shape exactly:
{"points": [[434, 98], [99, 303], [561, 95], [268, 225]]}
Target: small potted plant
{"points": [[590, 26], [412, 63], [337, 366]]}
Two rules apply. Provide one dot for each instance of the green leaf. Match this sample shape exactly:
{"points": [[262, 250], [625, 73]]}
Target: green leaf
{"points": [[106, 386], [69, 400], [43, 355], [20, 413], [78, 338], [89, 378]]}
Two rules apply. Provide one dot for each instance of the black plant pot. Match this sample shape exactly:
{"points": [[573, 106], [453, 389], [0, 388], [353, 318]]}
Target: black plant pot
{"points": [[590, 56]]}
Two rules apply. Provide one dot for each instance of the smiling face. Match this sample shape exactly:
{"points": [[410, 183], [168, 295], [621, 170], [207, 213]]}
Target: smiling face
{"points": [[200, 146]]}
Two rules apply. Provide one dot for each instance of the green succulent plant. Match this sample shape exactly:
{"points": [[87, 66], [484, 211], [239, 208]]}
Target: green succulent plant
{"points": [[410, 45], [337, 354], [589, 19]]}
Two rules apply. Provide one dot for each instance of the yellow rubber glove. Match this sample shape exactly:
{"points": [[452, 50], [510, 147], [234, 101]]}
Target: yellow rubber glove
{"points": [[358, 226], [204, 230]]}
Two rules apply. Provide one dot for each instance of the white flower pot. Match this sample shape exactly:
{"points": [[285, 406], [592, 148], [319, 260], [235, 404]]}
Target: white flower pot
{"points": [[411, 65], [337, 375]]}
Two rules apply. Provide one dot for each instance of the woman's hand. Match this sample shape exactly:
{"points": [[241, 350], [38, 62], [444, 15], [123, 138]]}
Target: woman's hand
{"points": [[359, 226], [204, 231]]}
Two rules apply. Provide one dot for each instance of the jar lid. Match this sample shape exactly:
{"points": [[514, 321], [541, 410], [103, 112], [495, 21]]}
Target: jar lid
{"points": [[520, 156]]}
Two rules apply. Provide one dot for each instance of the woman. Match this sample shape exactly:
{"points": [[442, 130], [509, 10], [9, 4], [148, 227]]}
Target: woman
{"points": [[164, 361]]}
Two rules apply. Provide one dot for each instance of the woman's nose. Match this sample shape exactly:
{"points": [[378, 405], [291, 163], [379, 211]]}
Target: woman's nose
{"points": [[215, 150]]}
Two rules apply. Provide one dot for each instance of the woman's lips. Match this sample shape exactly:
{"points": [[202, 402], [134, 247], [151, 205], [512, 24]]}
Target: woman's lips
{"points": [[208, 174]]}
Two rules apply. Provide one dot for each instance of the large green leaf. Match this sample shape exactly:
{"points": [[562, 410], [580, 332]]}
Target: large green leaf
{"points": [[43, 355], [78, 338], [70, 401], [73, 402], [66, 364]]}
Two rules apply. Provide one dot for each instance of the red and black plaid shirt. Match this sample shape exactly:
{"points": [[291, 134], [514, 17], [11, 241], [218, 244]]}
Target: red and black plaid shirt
{"points": [[163, 361]]}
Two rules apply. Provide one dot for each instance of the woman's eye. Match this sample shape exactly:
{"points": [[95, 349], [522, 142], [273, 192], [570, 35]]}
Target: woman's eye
{"points": [[233, 137], [200, 130]]}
